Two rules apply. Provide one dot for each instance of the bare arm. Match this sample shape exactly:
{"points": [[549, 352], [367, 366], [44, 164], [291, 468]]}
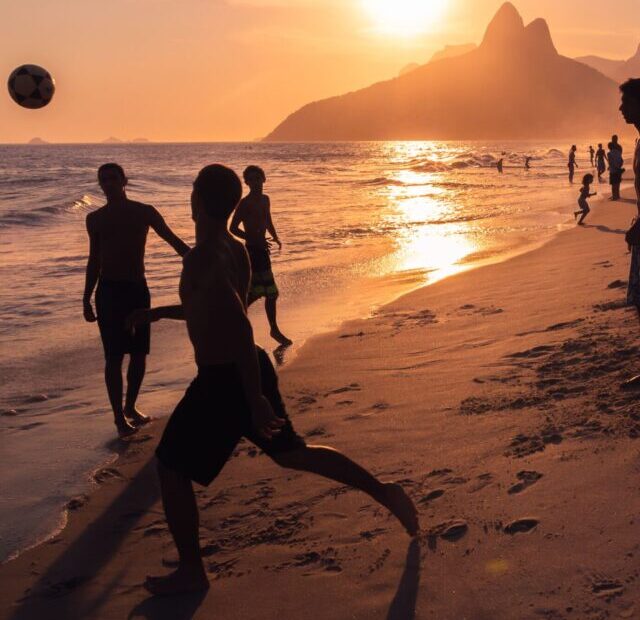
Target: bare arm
{"points": [[93, 270], [235, 224], [164, 232], [151, 315], [270, 226]]}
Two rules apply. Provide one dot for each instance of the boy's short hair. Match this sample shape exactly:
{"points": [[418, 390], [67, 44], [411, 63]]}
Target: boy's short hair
{"points": [[587, 178], [112, 166], [219, 189], [631, 88], [254, 170]]}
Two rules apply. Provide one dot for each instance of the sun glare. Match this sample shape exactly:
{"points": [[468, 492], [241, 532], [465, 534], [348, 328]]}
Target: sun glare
{"points": [[404, 17]]}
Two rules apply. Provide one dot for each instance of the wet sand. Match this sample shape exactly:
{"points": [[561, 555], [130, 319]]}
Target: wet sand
{"points": [[493, 396]]}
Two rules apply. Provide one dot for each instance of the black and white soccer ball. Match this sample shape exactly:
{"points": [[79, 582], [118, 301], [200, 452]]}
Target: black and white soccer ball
{"points": [[31, 86]]}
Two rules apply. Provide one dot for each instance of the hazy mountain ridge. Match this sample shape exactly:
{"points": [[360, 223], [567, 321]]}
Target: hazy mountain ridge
{"points": [[618, 70], [514, 85]]}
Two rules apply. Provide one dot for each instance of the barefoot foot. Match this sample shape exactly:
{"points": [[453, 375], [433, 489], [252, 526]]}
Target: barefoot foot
{"points": [[279, 337], [401, 506], [181, 581], [136, 418], [124, 428]]}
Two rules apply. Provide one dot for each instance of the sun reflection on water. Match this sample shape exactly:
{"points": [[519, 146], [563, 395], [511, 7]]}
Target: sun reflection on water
{"points": [[431, 235]]}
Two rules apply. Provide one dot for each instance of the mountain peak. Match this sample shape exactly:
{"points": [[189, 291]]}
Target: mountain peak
{"points": [[538, 37], [506, 25]]}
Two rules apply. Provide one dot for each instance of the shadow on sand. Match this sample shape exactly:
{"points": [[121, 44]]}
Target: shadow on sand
{"points": [[606, 229], [60, 591], [403, 606], [175, 608]]}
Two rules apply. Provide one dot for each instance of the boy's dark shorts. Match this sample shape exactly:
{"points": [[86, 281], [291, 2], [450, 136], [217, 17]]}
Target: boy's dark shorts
{"points": [[115, 301], [263, 283], [213, 416]]}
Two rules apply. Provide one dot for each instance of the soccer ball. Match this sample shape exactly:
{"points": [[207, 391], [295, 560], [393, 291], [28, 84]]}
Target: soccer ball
{"points": [[31, 86]]}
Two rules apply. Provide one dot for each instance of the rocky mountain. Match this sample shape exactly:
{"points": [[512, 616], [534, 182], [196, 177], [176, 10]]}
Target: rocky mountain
{"points": [[513, 85], [618, 70], [451, 51]]}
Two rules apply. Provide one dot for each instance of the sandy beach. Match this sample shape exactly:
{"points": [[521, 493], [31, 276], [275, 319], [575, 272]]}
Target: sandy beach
{"points": [[493, 396]]}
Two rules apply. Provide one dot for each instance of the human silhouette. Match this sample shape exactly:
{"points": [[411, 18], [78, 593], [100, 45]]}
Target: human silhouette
{"points": [[587, 180], [117, 238], [616, 169], [591, 155], [254, 214], [572, 165], [630, 109], [601, 161], [235, 393], [527, 162], [500, 165]]}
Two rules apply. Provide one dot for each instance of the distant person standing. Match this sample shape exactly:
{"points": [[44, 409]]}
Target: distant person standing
{"points": [[500, 165], [591, 155], [616, 169], [630, 108], [117, 238], [572, 165], [584, 196], [527, 162], [254, 213], [601, 161]]}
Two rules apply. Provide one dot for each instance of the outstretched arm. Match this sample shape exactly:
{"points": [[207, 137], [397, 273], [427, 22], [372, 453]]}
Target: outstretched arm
{"points": [[151, 315], [270, 226], [164, 232], [93, 270]]}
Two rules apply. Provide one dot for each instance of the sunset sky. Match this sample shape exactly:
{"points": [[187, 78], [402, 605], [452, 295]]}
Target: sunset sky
{"points": [[200, 70]]}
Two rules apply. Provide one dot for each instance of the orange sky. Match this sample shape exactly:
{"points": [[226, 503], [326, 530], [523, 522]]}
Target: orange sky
{"points": [[200, 70]]}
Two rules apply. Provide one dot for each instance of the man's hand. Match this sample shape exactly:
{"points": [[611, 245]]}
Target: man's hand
{"points": [[139, 317], [276, 240], [265, 422], [89, 314]]}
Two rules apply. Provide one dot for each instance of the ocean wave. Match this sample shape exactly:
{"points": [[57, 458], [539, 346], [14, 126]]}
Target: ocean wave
{"points": [[42, 215]]}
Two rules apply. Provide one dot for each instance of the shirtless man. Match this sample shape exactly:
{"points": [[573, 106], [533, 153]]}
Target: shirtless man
{"points": [[630, 109], [572, 165], [601, 161], [254, 213], [117, 239], [235, 393]]}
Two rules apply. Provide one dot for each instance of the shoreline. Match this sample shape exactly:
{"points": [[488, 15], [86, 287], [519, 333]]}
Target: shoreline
{"points": [[372, 391], [60, 520]]}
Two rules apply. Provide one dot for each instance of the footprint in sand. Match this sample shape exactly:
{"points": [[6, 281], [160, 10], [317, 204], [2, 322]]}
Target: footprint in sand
{"points": [[77, 502], [618, 284], [520, 526], [107, 473], [435, 494], [319, 431], [607, 589], [352, 387], [527, 478]]}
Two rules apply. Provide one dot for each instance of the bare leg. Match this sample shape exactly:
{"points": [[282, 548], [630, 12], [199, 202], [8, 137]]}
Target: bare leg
{"points": [[585, 212], [332, 464], [181, 510], [113, 379], [270, 308], [135, 375]]}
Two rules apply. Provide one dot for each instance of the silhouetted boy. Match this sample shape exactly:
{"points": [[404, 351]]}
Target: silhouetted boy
{"points": [[117, 239], [254, 214], [235, 393]]}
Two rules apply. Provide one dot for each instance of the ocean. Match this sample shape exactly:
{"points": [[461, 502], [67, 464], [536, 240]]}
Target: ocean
{"points": [[361, 224]]}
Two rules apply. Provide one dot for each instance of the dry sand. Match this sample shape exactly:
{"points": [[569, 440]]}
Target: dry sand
{"points": [[493, 396]]}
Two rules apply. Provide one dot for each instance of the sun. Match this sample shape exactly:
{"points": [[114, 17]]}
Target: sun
{"points": [[404, 17]]}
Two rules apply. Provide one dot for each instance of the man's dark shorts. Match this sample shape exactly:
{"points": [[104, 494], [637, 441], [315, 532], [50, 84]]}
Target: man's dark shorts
{"points": [[615, 178], [213, 416], [115, 301]]}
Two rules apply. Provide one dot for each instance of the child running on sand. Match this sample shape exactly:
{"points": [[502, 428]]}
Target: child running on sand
{"points": [[254, 213], [587, 180]]}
